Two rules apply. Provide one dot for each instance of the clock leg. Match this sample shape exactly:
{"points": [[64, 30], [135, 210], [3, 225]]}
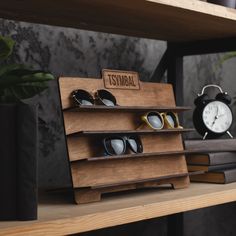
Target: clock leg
{"points": [[204, 137], [230, 135]]}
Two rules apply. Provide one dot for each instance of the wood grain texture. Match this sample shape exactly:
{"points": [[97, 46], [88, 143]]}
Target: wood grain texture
{"points": [[86, 174], [85, 147], [119, 173], [185, 20], [57, 217], [94, 195], [150, 94]]}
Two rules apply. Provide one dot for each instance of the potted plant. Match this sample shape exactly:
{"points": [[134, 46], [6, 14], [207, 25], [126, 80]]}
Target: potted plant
{"points": [[226, 3], [18, 135]]}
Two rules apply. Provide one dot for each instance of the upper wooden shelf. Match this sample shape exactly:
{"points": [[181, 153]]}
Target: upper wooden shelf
{"points": [[127, 108], [62, 218], [172, 20]]}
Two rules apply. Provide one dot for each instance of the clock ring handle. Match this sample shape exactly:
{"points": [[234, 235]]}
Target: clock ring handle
{"points": [[210, 85]]}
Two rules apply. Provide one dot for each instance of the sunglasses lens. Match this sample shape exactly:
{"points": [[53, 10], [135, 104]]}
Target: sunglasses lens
{"points": [[115, 146], [106, 97], [135, 144], [172, 120], [155, 120], [83, 97]]}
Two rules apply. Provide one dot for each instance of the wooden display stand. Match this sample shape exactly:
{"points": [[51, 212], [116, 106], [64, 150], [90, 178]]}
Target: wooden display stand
{"points": [[92, 173]]}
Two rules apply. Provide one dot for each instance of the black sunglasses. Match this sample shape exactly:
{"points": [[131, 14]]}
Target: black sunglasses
{"points": [[101, 97], [117, 145]]}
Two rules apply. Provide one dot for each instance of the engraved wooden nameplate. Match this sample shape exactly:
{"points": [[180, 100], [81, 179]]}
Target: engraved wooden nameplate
{"points": [[114, 79]]}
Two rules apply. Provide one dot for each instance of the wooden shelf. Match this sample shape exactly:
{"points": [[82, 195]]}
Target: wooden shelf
{"points": [[130, 156], [183, 20], [139, 155], [59, 217], [127, 108], [130, 132]]}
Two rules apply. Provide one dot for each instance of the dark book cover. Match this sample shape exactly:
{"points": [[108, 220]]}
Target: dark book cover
{"points": [[211, 145], [220, 177], [18, 162], [8, 162], [211, 159], [27, 148]]}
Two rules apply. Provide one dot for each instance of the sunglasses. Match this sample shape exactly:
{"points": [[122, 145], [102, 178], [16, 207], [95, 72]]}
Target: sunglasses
{"points": [[119, 145], [101, 97], [156, 120]]}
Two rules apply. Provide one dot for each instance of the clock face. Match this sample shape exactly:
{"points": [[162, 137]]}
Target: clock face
{"points": [[217, 117]]}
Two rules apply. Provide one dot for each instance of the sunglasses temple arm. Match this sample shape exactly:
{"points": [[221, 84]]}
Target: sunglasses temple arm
{"points": [[141, 125]]}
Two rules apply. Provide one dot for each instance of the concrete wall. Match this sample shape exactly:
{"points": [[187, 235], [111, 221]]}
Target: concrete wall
{"points": [[72, 52]]}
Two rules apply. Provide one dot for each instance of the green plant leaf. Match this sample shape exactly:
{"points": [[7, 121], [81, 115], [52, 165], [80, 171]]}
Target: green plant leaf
{"points": [[6, 47], [5, 69], [227, 56], [23, 91], [16, 77]]}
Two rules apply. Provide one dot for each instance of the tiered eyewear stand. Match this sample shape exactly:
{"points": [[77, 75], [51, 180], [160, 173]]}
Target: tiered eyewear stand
{"points": [[92, 172]]}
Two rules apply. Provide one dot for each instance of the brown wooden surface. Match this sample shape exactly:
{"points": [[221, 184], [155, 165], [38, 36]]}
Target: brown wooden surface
{"points": [[150, 94], [130, 132], [58, 217], [171, 20], [80, 147], [136, 109], [86, 174], [95, 194], [118, 172]]}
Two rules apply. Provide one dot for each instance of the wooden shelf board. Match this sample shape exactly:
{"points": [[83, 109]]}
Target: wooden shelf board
{"points": [[185, 20], [138, 132], [140, 155], [62, 218], [127, 108]]}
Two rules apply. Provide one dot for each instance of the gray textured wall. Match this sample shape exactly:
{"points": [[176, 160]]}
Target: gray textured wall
{"points": [[71, 52]]}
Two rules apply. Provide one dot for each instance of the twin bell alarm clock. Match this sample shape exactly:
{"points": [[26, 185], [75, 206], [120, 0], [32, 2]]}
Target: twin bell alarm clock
{"points": [[213, 117]]}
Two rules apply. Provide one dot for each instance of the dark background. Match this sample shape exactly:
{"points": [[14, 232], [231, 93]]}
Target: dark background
{"points": [[72, 52]]}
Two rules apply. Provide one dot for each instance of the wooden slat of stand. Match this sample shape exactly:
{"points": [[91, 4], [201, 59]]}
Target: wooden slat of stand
{"points": [[126, 108], [130, 132], [185, 20], [87, 175], [151, 144], [155, 95]]}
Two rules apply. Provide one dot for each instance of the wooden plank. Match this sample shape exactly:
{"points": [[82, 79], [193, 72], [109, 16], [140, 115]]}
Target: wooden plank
{"points": [[80, 147], [87, 174], [150, 94], [136, 109], [59, 217], [95, 194], [129, 132], [171, 20]]}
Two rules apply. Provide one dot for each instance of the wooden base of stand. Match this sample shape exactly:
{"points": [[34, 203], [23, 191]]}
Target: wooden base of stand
{"points": [[95, 195]]}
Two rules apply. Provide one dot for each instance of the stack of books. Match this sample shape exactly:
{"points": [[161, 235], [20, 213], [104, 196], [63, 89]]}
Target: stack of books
{"points": [[215, 160]]}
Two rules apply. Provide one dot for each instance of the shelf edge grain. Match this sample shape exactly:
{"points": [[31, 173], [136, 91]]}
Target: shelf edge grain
{"points": [[136, 208]]}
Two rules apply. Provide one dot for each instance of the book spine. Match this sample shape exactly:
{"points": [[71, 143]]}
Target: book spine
{"points": [[222, 158], [27, 148], [230, 176], [225, 145], [8, 162]]}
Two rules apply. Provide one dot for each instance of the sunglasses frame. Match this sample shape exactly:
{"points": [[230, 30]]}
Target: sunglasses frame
{"points": [[125, 139], [93, 97], [164, 120]]}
